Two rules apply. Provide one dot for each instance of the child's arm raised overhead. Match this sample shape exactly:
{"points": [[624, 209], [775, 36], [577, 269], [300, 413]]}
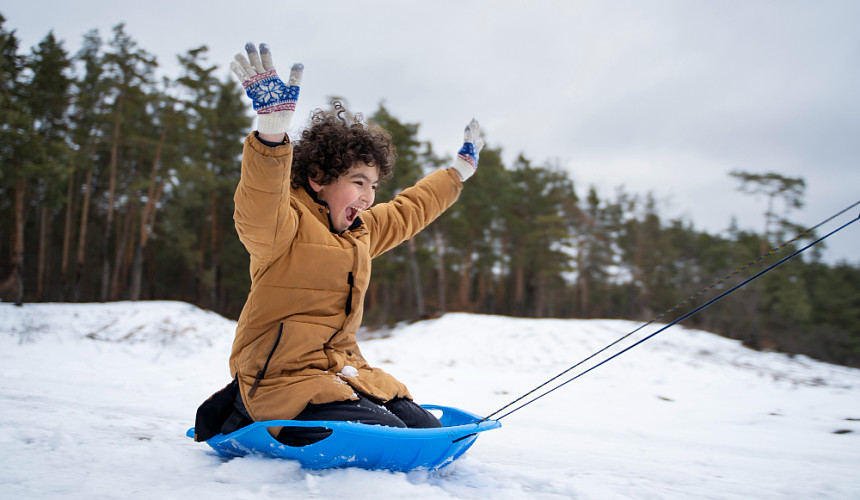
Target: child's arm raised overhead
{"points": [[263, 217], [416, 207]]}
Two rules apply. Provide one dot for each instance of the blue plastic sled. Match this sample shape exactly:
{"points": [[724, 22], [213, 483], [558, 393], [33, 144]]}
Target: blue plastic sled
{"points": [[362, 445]]}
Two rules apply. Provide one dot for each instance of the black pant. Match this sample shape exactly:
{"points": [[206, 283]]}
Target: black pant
{"points": [[398, 412], [217, 414]]}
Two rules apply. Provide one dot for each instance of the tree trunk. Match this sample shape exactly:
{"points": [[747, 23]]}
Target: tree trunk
{"points": [[503, 294], [220, 292], [486, 293], [147, 221], [136, 273], [151, 270], [585, 297], [440, 269], [200, 271], [82, 235], [18, 251], [416, 279], [519, 305], [386, 302], [540, 295], [114, 160], [371, 299], [67, 236], [464, 287], [147, 217], [642, 300], [120, 259], [14, 284], [582, 285], [146, 231], [213, 249], [41, 271]]}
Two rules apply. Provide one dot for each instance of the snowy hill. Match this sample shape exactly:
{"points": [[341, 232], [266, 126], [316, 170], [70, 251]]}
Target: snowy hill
{"points": [[95, 400]]}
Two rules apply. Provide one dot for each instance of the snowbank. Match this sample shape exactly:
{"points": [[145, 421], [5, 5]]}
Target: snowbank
{"points": [[95, 400]]}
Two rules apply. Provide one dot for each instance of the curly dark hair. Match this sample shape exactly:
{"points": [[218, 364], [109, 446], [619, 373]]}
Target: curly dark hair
{"points": [[332, 144]]}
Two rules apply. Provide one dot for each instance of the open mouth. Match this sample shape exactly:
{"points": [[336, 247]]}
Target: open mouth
{"points": [[352, 213]]}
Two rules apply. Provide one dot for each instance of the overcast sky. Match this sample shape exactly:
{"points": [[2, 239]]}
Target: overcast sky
{"points": [[660, 96]]}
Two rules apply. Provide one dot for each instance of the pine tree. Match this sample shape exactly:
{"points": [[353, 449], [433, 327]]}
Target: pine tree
{"points": [[595, 253], [199, 218], [129, 75], [48, 99], [14, 129], [88, 108], [473, 231], [774, 187]]}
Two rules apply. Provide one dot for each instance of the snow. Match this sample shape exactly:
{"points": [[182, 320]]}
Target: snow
{"points": [[95, 400]]}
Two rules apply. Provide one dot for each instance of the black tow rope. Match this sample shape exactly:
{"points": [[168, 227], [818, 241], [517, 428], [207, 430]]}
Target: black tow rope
{"points": [[683, 317]]}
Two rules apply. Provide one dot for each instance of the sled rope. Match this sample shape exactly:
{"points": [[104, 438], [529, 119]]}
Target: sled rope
{"points": [[687, 300]]}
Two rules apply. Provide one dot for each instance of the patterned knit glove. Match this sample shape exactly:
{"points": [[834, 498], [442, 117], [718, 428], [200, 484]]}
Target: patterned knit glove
{"points": [[466, 162], [273, 101]]}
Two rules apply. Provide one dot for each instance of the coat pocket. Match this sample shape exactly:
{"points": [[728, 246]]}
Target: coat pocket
{"points": [[262, 372]]}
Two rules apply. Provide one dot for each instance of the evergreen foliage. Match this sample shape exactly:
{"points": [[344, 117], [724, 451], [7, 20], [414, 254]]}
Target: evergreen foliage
{"points": [[117, 186]]}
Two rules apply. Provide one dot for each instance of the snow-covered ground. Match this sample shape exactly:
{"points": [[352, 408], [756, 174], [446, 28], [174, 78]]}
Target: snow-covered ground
{"points": [[95, 400]]}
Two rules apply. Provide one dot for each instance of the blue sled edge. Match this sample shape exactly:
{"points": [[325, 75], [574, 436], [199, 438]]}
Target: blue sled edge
{"points": [[361, 445]]}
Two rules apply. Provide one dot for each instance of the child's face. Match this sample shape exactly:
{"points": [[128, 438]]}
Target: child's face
{"points": [[352, 193]]}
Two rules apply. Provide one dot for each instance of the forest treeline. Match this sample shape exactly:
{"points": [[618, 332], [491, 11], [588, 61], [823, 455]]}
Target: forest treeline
{"points": [[116, 184]]}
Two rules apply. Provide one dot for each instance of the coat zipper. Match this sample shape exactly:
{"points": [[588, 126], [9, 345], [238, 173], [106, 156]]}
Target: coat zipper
{"points": [[350, 281], [262, 373]]}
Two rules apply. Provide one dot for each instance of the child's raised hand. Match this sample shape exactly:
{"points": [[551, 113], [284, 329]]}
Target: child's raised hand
{"points": [[273, 100], [466, 162]]}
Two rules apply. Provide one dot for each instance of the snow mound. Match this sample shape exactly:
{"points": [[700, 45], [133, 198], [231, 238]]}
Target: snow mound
{"points": [[539, 349], [162, 323]]}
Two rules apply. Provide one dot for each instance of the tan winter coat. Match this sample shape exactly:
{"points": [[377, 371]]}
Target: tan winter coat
{"points": [[296, 333]]}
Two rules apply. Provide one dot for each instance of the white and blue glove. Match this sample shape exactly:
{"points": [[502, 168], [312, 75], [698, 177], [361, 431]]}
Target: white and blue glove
{"points": [[274, 101], [466, 162]]}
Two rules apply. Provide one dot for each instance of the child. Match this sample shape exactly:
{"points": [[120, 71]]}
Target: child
{"points": [[304, 213]]}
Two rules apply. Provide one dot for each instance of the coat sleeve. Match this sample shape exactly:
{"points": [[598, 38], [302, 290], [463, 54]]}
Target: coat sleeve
{"points": [[265, 221], [394, 222]]}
